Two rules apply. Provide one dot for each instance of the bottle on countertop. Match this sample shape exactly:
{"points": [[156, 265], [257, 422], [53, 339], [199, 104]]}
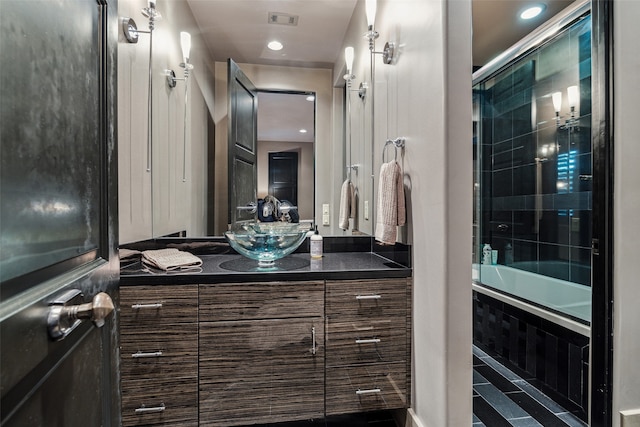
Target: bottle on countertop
{"points": [[316, 244], [486, 254]]}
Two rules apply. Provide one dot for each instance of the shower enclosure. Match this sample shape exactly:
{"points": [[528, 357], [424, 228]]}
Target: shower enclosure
{"points": [[533, 201]]}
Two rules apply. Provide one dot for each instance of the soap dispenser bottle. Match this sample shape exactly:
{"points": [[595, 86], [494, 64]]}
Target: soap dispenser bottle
{"points": [[486, 254], [316, 244]]}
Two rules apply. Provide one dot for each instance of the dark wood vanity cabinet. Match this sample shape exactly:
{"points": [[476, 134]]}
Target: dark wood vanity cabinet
{"points": [[159, 355], [261, 352], [233, 354], [368, 345]]}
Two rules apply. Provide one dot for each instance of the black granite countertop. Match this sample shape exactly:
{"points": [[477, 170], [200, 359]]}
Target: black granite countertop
{"points": [[219, 268]]}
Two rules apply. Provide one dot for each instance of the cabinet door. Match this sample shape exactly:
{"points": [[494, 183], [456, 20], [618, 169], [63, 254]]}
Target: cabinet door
{"points": [[261, 371]]}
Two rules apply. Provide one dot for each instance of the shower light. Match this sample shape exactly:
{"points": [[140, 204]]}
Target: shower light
{"points": [[557, 101], [573, 95]]}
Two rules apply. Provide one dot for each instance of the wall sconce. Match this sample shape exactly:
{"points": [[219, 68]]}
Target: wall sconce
{"points": [[131, 33], [573, 95], [349, 77], [129, 27], [389, 47], [185, 44]]}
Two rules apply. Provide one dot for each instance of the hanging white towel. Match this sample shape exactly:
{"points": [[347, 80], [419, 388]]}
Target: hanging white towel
{"points": [[391, 208], [347, 204]]}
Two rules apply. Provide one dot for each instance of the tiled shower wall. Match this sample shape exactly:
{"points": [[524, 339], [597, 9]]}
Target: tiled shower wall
{"points": [[535, 176]]}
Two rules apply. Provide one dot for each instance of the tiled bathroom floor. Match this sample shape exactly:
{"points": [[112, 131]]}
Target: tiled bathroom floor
{"points": [[501, 398]]}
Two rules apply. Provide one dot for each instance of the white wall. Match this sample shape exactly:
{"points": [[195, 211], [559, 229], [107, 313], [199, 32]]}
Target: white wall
{"points": [[424, 97], [159, 202], [626, 293]]}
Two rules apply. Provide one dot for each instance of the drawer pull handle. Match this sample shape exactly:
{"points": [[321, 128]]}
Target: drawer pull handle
{"points": [[361, 297], [314, 348], [141, 354], [368, 341], [144, 410], [370, 391], [139, 306]]}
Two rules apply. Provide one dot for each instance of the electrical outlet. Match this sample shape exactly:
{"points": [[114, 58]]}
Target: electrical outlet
{"points": [[325, 214], [366, 210]]}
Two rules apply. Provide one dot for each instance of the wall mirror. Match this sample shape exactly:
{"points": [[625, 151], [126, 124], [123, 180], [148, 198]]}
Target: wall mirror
{"points": [[286, 136]]}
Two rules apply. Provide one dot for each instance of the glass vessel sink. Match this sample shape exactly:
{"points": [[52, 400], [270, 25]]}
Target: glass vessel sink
{"points": [[266, 242]]}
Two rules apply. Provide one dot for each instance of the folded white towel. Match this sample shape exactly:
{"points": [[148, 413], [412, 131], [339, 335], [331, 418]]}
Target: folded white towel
{"points": [[391, 208], [347, 204], [170, 259]]}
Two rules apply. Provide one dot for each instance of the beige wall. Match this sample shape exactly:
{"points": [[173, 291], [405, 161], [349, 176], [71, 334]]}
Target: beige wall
{"points": [[424, 97], [626, 295], [158, 202]]}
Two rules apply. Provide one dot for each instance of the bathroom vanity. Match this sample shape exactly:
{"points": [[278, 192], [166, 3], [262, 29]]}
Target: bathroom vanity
{"points": [[227, 348]]}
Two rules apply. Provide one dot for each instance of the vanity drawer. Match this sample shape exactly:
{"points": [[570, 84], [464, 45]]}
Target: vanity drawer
{"points": [[171, 351], [352, 299], [169, 402], [379, 340], [252, 301], [366, 388], [142, 306]]}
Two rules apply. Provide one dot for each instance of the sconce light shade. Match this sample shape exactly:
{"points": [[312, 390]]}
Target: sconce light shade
{"points": [[572, 93], [557, 101], [348, 57], [185, 42], [370, 10]]}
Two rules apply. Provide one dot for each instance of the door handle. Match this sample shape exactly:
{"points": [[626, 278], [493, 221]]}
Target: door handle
{"points": [[65, 315]]}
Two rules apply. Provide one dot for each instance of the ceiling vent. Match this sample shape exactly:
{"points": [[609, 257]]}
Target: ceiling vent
{"points": [[283, 18]]}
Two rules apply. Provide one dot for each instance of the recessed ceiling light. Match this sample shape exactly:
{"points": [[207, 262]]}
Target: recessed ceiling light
{"points": [[274, 45], [532, 11], [303, 131], [311, 98]]}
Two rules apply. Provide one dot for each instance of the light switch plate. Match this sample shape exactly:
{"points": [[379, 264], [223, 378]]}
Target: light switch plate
{"points": [[366, 210], [325, 214]]}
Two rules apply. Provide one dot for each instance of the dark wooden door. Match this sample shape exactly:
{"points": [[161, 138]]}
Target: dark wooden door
{"points": [[283, 176], [58, 210], [243, 134]]}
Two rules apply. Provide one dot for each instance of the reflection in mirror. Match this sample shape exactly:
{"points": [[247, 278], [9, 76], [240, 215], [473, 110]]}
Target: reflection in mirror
{"points": [[286, 136]]}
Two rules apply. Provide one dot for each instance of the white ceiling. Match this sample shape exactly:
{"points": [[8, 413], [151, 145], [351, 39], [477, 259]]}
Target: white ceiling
{"points": [[282, 115], [240, 29]]}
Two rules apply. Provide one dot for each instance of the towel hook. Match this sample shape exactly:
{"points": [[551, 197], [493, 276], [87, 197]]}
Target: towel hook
{"points": [[397, 143]]}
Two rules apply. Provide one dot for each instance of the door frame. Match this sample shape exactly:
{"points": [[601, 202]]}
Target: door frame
{"points": [[601, 369]]}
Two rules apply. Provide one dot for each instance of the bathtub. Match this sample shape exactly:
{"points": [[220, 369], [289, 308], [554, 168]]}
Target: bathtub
{"points": [[558, 295]]}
